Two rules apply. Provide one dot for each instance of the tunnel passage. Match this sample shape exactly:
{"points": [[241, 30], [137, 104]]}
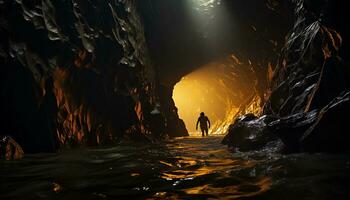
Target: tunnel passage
{"points": [[184, 37], [157, 41], [219, 89]]}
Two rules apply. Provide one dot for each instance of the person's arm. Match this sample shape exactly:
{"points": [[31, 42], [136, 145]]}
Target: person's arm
{"points": [[197, 124], [208, 121]]}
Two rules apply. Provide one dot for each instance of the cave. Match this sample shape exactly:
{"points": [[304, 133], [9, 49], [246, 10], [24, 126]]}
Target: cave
{"points": [[218, 89], [174, 99]]}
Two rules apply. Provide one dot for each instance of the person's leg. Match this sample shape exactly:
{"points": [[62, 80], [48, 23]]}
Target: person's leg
{"points": [[206, 132], [202, 132]]}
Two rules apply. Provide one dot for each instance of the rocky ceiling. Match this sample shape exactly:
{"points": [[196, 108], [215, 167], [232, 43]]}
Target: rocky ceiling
{"points": [[88, 72], [251, 30]]}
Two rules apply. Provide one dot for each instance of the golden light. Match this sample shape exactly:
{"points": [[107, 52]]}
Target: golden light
{"points": [[212, 89]]}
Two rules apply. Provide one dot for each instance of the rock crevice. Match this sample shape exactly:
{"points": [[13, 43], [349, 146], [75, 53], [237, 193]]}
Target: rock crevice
{"points": [[310, 87]]}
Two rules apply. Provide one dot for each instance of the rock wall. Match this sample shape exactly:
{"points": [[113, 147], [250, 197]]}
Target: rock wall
{"points": [[310, 72], [309, 98], [73, 72], [175, 126]]}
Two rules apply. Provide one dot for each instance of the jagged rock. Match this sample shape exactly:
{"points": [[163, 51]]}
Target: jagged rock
{"points": [[323, 130], [330, 132], [317, 130], [104, 83], [10, 149], [309, 73], [312, 71], [175, 126], [249, 133], [291, 128], [308, 80], [102, 79]]}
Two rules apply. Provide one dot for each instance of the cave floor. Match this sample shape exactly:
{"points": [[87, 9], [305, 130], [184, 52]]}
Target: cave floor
{"points": [[183, 168]]}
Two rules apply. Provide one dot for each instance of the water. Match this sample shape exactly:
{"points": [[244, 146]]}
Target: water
{"points": [[184, 168]]}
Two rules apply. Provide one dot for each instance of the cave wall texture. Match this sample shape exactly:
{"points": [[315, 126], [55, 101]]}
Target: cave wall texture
{"points": [[80, 72], [90, 72], [309, 95], [310, 72], [251, 30], [310, 88], [74, 72]]}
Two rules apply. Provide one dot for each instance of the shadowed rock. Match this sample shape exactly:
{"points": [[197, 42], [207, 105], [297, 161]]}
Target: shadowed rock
{"points": [[94, 53], [309, 94], [10, 149], [249, 133], [315, 131]]}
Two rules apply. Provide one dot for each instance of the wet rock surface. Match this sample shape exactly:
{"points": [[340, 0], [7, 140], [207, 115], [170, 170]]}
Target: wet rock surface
{"points": [[330, 131], [309, 86], [322, 130], [73, 73], [249, 133], [69, 78]]}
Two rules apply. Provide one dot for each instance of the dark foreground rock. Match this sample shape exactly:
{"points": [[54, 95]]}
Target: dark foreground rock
{"points": [[323, 130], [10, 149], [249, 133], [310, 85], [318, 130], [330, 132], [175, 126]]}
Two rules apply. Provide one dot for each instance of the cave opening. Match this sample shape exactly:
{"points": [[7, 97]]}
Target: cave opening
{"points": [[218, 89], [211, 56], [102, 92]]}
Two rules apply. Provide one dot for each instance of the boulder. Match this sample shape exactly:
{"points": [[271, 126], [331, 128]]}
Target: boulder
{"points": [[330, 132], [249, 133], [323, 130], [10, 149], [291, 128], [319, 130], [309, 92]]}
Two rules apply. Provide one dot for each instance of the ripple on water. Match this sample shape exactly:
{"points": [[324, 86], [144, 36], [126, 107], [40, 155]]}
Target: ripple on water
{"points": [[186, 168]]}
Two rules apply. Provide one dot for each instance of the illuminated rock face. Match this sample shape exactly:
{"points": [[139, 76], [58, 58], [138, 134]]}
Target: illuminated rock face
{"points": [[249, 133], [322, 129], [218, 89], [310, 87], [311, 82], [186, 35], [73, 72], [310, 73], [82, 67]]}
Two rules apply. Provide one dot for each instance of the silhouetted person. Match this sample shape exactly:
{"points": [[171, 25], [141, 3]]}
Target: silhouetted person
{"points": [[204, 124]]}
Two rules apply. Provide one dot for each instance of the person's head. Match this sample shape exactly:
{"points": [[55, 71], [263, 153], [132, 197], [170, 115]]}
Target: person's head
{"points": [[202, 114]]}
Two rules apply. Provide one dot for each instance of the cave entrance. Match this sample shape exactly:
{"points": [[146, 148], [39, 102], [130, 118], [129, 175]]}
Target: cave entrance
{"points": [[218, 89]]}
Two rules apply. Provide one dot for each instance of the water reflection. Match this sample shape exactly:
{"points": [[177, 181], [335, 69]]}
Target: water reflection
{"points": [[185, 168], [206, 170]]}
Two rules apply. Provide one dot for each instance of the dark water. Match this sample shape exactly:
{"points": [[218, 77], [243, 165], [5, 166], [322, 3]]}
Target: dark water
{"points": [[185, 168]]}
